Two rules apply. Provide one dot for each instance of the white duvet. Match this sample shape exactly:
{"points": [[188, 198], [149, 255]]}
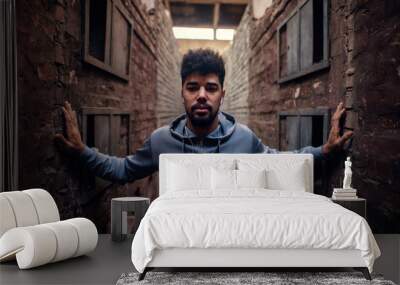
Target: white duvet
{"points": [[253, 218]]}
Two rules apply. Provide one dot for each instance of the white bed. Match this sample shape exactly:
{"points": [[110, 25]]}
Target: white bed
{"points": [[230, 226]]}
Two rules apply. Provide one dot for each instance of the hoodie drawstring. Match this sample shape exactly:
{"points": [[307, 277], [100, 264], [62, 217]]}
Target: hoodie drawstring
{"points": [[184, 144]]}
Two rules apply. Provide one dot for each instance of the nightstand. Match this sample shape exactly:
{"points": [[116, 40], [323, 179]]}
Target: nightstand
{"points": [[358, 205], [120, 207]]}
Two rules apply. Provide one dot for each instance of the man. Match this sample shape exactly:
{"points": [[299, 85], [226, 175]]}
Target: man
{"points": [[203, 129]]}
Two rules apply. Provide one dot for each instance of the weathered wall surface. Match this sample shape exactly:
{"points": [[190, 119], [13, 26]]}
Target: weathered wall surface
{"points": [[266, 96], [169, 100], [237, 72], [376, 83], [363, 73], [51, 70]]}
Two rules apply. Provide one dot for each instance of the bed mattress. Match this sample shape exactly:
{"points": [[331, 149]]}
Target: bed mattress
{"points": [[251, 219]]}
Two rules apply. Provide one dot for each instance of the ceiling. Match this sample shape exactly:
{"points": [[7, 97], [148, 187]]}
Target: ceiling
{"points": [[215, 14]]}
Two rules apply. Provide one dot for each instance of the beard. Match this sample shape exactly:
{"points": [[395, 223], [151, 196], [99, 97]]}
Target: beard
{"points": [[201, 121]]}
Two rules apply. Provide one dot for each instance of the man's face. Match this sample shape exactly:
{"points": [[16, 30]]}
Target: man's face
{"points": [[202, 95]]}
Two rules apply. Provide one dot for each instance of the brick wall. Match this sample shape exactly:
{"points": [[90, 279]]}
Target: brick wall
{"points": [[363, 73], [374, 49], [237, 72], [51, 70], [169, 100]]}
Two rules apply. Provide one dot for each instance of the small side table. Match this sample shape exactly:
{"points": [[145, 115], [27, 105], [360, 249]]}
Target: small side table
{"points": [[358, 205], [120, 207]]}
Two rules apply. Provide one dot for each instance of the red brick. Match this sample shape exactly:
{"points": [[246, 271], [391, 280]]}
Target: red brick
{"points": [[46, 72], [59, 13]]}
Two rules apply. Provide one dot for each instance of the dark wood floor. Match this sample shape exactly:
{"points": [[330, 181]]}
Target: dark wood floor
{"points": [[102, 266], [110, 259]]}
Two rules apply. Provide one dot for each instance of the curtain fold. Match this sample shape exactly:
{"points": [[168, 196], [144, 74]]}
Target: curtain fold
{"points": [[8, 97]]}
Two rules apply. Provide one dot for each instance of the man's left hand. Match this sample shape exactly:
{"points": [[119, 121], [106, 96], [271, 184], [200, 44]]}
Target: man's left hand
{"points": [[335, 141]]}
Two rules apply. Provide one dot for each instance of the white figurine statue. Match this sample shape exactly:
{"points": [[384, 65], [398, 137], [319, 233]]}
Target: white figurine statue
{"points": [[347, 174]]}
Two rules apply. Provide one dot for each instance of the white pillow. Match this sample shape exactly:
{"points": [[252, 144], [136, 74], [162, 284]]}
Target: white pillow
{"points": [[226, 179], [251, 178], [223, 179], [293, 178], [194, 174], [281, 174], [186, 177]]}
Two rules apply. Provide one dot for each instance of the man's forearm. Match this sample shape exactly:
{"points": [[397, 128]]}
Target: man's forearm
{"points": [[108, 167], [317, 152], [121, 170]]}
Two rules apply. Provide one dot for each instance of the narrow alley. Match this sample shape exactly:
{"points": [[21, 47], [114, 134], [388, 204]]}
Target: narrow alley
{"points": [[288, 64]]}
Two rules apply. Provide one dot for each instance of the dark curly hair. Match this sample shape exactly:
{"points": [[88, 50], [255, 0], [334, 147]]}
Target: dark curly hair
{"points": [[202, 61]]}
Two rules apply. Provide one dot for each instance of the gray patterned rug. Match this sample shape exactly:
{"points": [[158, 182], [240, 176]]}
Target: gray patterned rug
{"points": [[242, 278]]}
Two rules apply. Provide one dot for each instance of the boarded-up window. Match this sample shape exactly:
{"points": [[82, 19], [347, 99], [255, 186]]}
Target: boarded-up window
{"points": [[292, 44], [121, 39], [108, 31], [298, 129], [107, 130], [303, 40], [303, 128]]}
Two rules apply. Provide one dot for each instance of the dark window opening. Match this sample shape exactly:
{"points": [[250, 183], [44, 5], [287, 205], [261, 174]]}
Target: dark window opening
{"points": [[90, 131], [317, 130], [283, 51], [97, 32], [318, 23]]}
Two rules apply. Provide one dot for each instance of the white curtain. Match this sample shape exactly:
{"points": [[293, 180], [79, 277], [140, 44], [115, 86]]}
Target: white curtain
{"points": [[8, 98]]}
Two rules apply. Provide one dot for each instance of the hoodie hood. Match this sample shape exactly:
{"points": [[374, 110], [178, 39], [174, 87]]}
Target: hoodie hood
{"points": [[222, 133], [226, 127]]}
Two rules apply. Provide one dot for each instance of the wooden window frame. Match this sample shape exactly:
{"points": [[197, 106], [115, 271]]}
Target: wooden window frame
{"points": [[107, 64], [309, 112], [322, 183], [111, 112], [316, 66]]}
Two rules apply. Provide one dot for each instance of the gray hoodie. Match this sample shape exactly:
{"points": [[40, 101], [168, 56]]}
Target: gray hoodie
{"points": [[228, 137]]}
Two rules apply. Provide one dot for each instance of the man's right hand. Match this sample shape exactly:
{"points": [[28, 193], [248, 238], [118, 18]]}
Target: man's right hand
{"points": [[73, 142]]}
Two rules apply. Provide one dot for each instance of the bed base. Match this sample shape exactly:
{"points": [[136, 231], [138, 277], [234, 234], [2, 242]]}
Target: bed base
{"points": [[246, 258], [364, 271]]}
